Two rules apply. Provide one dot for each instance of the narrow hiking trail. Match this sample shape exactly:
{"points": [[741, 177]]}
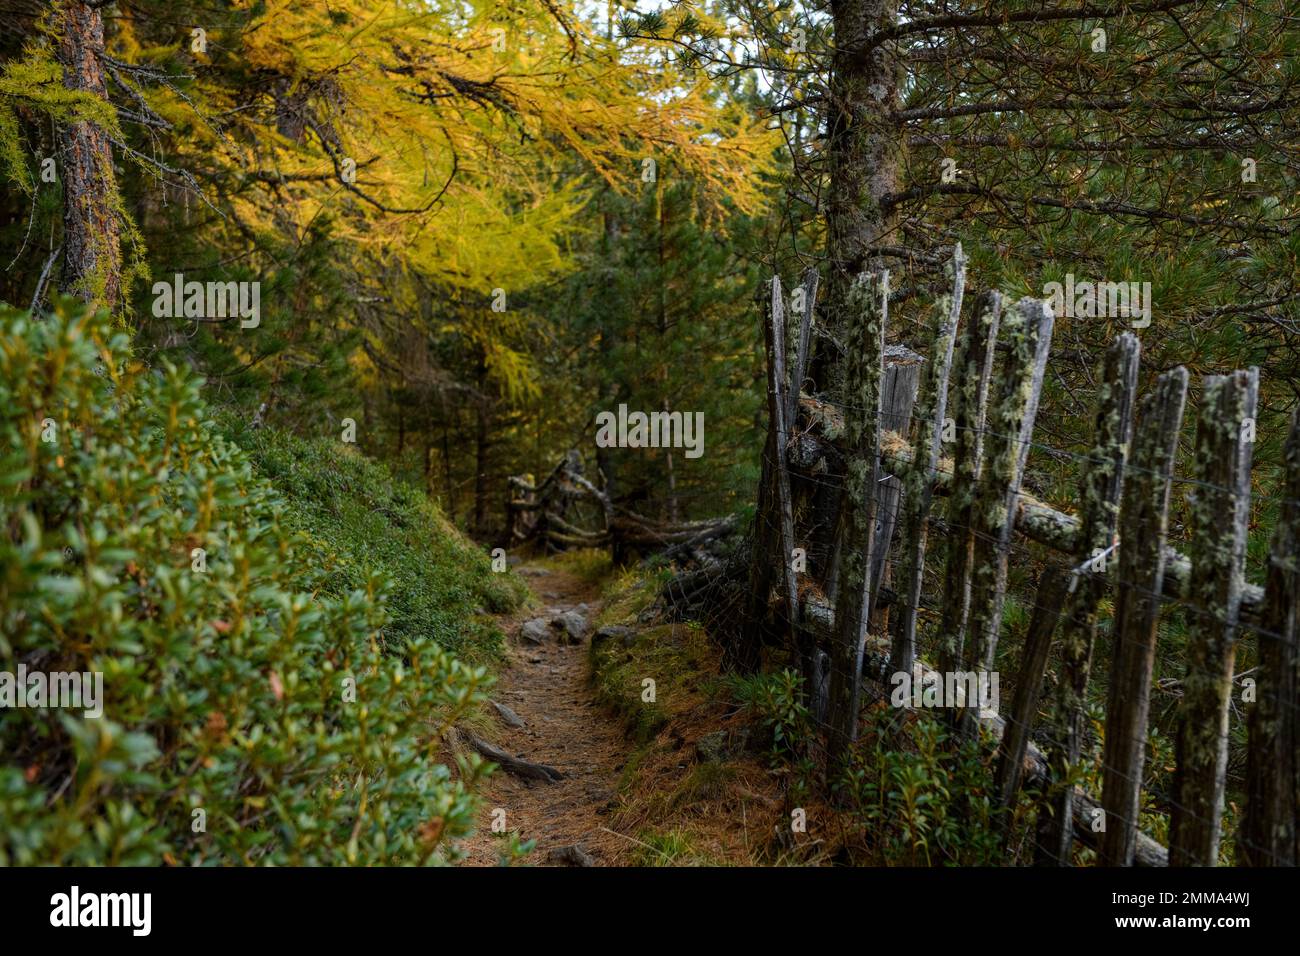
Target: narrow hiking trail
{"points": [[546, 685]]}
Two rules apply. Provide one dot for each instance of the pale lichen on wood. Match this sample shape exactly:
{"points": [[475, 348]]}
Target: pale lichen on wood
{"points": [[777, 410], [1219, 504], [974, 368], [898, 393], [801, 346], [931, 408], [1011, 422], [1143, 520], [865, 333], [1102, 484]]}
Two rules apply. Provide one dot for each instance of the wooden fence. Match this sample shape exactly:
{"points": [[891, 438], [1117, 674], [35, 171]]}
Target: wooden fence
{"points": [[847, 483]]}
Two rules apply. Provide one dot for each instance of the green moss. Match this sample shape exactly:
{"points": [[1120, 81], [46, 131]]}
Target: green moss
{"points": [[359, 519], [619, 672], [677, 657]]}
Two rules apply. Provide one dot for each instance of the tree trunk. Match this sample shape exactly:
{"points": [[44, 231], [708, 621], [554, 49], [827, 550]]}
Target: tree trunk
{"points": [[481, 443], [864, 151], [482, 440], [605, 459], [92, 254], [448, 482], [670, 473]]}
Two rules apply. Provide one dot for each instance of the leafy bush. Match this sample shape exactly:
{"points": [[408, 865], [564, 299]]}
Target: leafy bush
{"points": [[919, 796], [225, 689], [777, 700]]}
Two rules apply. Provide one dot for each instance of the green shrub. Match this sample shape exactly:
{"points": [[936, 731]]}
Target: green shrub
{"points": [[776, 699], [922, 795], [224, 689]]}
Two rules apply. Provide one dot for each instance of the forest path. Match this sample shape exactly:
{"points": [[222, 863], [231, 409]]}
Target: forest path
{"points": [[547, 685]]}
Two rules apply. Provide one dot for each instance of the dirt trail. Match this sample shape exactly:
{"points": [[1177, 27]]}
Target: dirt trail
{"points": [[547, 686]]}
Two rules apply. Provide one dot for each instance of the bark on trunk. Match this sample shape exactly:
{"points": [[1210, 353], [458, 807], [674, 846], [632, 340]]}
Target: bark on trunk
{"points": [[864, 151], [92, 255], [481, 442]]}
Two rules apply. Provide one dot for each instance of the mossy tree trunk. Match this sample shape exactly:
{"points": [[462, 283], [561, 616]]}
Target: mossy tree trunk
{"points": [[864, 152], [92, 253]]}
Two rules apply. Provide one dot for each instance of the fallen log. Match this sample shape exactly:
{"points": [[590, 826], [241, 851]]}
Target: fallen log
{"points": [[574, 541], [573, 531], [719, 530], [538, 511]]}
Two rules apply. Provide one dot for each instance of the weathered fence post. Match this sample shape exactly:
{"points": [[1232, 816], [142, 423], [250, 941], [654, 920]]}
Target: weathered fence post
{"points": [[1220, 505], [812, 658], [1268, 835], [898, 389], [774, 516], [986, 508], [1033, 663], [864, 361], [743, 652], [1006, 448], [774, 330], [1102, 483], [974, 369], [932, 404], [801, 346], [1144, 516]]}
